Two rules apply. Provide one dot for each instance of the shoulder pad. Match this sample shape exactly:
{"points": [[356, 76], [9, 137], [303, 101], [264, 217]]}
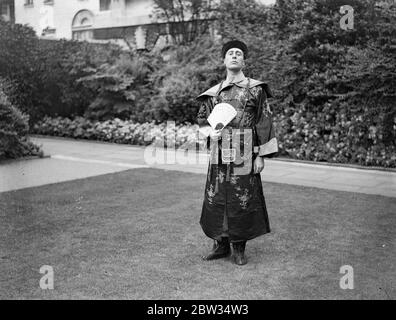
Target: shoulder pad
{"points": [[210, 92], [254, 83]]}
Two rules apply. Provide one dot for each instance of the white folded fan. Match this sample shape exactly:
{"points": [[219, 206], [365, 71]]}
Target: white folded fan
{"points": [[221, 115]]}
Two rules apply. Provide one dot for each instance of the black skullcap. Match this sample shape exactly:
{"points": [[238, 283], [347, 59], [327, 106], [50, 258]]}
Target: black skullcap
{"points": [[234, 44]]}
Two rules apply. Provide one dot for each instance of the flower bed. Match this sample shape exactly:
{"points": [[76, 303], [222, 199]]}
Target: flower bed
{"points": [[121, 131], [298, 139]]}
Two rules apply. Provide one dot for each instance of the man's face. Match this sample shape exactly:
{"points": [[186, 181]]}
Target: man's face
{"points": [[234, 59]]}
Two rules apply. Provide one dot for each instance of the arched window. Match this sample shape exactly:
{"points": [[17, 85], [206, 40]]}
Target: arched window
{"points": [[82, 25]]}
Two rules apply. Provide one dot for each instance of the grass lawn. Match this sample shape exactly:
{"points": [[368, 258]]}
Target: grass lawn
{"points": [[136, 235]]}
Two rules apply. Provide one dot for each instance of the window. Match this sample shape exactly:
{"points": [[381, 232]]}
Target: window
{"points": [[5, 12], [105, 5], [83, 35], [28, 3], [48, 1], [82, 25]]}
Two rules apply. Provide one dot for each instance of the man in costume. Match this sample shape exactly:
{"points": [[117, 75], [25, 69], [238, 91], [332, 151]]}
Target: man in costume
{"points": [[234, 209]]}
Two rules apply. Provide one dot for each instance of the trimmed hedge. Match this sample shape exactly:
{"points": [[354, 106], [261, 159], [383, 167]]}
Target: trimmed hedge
{"points": [[14, 128], [299, 137]]}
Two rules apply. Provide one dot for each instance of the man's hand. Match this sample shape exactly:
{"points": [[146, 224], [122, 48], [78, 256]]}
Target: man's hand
{"points": [[258, 164], [215, 135]]}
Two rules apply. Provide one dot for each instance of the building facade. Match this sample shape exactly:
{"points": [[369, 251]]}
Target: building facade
{"points": [[129, 23], [123, 21]]}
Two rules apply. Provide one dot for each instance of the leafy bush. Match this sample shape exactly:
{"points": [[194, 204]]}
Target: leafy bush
{"points": [[44, 73], [18, 52], [61, 64], [340, 97], [13, 131], [180, 76], [120, 88]]}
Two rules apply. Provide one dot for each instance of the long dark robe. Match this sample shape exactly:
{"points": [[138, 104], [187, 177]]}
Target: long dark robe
{"points": [[234, 204]]}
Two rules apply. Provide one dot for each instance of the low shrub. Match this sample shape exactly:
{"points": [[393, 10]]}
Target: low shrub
{"points": [[14, 128]]}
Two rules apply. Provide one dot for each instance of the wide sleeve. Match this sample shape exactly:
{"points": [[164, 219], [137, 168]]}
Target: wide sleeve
{"points": [[206, 107], [204, 112], [265, 142]]}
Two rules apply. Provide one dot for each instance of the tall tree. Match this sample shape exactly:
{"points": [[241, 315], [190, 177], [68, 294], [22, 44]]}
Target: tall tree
{"points": [[186, 19]]}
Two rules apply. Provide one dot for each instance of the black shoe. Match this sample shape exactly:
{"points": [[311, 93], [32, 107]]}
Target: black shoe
{"points": [[221, 249], [239, 253]]}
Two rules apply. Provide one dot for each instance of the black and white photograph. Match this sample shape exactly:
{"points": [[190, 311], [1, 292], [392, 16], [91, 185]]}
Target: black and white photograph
{"points": [[197, 155]]}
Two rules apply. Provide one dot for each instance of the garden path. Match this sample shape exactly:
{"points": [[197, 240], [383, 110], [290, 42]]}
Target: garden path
{"points": [[76, 159]]}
